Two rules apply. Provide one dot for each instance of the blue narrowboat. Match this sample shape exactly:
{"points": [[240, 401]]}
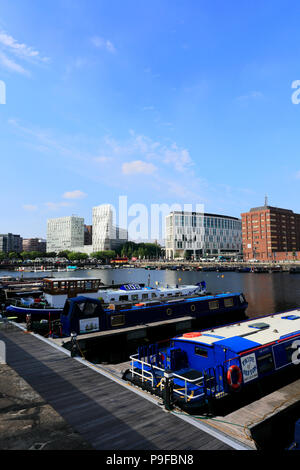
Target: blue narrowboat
{"points": [[212, 364], [85, 315]]}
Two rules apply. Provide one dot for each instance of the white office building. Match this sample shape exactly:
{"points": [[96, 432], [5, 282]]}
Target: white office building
{"points": [[65, 233], [106, 235], [202, 234]]}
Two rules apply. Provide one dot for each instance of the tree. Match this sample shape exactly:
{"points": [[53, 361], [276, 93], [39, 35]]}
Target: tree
{"points": [[72, 256], [14, 255], [105, 256]]}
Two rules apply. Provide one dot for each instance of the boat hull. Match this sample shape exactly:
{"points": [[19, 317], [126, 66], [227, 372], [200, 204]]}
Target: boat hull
{"points": [[36, 313]]}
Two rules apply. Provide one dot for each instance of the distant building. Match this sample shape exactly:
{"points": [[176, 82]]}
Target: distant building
{"points": [[34, 244], [64, 233], [10, 242], [271, 234], [88, 234], [200, 234], [106, 235]]}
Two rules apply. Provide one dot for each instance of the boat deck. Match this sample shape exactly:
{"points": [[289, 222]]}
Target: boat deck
{"points": [[107, 412]]}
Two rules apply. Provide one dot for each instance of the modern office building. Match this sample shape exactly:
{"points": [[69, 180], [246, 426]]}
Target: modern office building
{"points": [[10, 242], [65, 233], [201, 234], [106, 235], [271, 234], [34, 244], [88, 234]]}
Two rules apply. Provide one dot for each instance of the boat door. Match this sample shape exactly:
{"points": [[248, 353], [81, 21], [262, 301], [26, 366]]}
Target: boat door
{"points": [[83, 315]]}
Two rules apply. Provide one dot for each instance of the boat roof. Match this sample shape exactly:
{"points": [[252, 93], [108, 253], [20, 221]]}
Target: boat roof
{"points": [[70, 279], [249, 334]]}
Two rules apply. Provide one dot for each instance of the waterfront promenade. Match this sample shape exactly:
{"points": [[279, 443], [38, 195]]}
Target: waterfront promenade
{"points": [[103, 413]]}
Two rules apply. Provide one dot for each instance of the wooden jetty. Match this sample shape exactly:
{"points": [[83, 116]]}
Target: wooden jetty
{"points": [[108, 413]]}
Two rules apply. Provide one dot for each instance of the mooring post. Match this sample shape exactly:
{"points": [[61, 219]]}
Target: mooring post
{"points": [[74, 347], [2, 352], [168, 392]]}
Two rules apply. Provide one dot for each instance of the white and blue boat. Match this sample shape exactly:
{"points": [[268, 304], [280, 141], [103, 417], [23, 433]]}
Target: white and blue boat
{"points": [[56, 291], [211, 364]]}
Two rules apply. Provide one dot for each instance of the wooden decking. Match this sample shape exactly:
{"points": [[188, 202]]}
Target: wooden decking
{"points": [[107, 414]]}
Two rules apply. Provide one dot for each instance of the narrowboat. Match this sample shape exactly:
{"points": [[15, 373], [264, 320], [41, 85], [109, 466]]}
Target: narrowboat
{"points": [[57, 290], [84, 315], [212, 364]]}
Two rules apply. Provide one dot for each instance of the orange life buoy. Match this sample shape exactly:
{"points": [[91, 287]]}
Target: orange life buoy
{"points": [[192, 335], [236, 369]]}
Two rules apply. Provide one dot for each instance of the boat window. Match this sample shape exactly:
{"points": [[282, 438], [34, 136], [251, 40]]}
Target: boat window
{"points": [[80, 305], [135, 297], [144, 296], [259, 326], [117, 320], [90, 308], [228, 302], [213, 305], [265, 363], [291, 317], [123, 297], [201, 352], [153, 295]]}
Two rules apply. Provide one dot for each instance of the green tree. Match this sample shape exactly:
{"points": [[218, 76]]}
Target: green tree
{"points": [[72, 256], [105, 256]]}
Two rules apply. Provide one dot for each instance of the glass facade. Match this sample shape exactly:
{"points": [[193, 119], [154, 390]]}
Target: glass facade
{"points": [[202, 234]]}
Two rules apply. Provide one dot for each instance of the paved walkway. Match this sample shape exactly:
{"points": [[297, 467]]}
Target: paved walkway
{"points": [[105, 413]]}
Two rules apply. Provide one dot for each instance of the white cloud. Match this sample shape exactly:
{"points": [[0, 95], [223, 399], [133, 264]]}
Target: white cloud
{"points": [[54, 206], [29, 207], [77, 194], [11, 48], [11, 65], [138, 166], [18, 48], [102, 159], [250, 96], [101, 43]]}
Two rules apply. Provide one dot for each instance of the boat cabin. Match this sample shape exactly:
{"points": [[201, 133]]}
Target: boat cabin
{"points": [[57, 290], [216, 362], [259, 346]]}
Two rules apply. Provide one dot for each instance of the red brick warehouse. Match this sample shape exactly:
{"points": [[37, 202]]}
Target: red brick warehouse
{"points": [[271, 234]]}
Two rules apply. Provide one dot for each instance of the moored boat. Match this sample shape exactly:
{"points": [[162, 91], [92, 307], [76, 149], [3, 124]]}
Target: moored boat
{"points": [[209, 365], [57, 290], [81, 312]]}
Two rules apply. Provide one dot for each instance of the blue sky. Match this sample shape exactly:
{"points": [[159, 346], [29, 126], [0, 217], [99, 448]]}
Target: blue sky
{"points": [[184, 102]]}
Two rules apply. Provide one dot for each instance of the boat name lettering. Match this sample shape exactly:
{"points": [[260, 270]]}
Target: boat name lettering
{"points": [[249, 367], [296, 354]]}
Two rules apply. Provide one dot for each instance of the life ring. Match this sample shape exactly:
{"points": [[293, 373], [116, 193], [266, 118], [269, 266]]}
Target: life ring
{"points": [[169, 311], [237, 370], [193, 308], [192, 335]]}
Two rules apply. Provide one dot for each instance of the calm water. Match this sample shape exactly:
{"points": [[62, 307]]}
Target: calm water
{"points": [[265, 293]]}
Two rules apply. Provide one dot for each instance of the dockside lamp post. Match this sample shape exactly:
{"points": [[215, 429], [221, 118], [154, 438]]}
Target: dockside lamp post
{"points": [[74, 347], [168, 391]]}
